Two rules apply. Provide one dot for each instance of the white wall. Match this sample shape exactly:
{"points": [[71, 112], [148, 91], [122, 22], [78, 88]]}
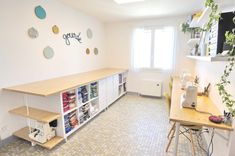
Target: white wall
{"points": [[118, 46], [210, 72], [21, 58]]}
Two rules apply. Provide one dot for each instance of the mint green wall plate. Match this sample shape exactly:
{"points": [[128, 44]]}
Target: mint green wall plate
{"points": [[40, 12], [48, 52], [89, 33]]}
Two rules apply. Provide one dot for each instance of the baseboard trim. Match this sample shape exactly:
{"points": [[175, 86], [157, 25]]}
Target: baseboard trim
{"points": [[149, 96], [132, 93]]}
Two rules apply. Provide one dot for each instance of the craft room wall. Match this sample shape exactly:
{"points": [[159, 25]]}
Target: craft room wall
{"points": [[22, 59], [210, 72], [119, 40]]}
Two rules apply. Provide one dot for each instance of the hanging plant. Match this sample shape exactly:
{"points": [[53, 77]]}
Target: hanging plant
{"points": [[213, 16], [225, 95], [185, 27]]}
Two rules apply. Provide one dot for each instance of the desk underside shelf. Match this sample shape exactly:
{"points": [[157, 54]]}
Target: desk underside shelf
{"points": [[36, 114], [41, 116], [24, 134]]}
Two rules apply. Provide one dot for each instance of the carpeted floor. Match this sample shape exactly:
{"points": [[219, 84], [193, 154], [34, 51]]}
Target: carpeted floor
{"points": [[132, 126]]}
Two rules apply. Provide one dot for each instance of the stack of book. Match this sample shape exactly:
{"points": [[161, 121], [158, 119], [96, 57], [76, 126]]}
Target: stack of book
{"points": [[84, 113], [83, 94], [70, 121], [69, 100], [94, 90]]}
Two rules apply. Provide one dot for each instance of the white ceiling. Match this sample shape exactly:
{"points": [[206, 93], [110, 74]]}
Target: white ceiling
{"points": [[109, 11]]}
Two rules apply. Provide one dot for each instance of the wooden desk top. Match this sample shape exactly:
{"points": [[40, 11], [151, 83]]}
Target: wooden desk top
{"points": [[190, 116], [56, 85]]}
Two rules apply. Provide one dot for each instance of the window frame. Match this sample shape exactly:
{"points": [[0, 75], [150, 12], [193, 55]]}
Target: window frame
{"points": [[152, 54]]}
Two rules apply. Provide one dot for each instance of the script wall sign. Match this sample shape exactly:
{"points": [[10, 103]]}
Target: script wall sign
{"points": [[69, 36]]}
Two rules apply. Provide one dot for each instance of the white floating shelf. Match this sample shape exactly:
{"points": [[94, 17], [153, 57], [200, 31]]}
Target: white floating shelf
{"points": [[204, 17], [194, 23], [209, 58], [200, 21]]}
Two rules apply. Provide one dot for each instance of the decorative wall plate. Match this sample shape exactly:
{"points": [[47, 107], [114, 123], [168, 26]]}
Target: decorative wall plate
{"points": [[40, 12], [32, 32], [87, 51], [48, 52], [89, 33], [55, 29], [96, 51]]}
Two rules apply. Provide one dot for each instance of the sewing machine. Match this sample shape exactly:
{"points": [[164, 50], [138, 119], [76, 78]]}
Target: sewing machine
{"points": [[189, 98], [185, 79], [42, 132]]}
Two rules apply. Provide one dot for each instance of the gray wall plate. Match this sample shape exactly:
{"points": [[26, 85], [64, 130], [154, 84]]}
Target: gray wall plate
{"points": [[48, 52], [87, 51], [89, 33], [32, 32], [96, 51]]}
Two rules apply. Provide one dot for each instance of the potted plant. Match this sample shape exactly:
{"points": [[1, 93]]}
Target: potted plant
{"points": [[185, 27]]}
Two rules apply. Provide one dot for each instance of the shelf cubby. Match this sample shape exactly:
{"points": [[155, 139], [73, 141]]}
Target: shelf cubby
{"points": [[70, 121], [84, 113], [93, 90], [83, 94], [69, 100], [122, 84], [94, 107]]}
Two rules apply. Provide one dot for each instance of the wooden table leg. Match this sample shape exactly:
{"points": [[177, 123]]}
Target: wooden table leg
{"points": [[172, 127], [169, 142], [176, 138], [192, 143]]}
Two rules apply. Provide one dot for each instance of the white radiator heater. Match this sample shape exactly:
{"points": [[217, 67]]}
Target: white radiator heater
{"points": [[151, 87]]}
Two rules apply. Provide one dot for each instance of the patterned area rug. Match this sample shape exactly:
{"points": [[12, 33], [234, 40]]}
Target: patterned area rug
{"points": [[132, 126]]}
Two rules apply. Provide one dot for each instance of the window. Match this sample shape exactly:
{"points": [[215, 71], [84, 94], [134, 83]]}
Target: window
{"points": [[153, 48]]}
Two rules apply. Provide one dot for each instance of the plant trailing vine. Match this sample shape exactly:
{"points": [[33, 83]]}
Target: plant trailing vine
{"points": [[225, 95], [213, 16], [230, 40]]}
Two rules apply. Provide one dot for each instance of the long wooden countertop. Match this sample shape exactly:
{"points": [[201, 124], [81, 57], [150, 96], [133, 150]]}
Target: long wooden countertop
{"points": [[191, 116], [56, 85]]}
